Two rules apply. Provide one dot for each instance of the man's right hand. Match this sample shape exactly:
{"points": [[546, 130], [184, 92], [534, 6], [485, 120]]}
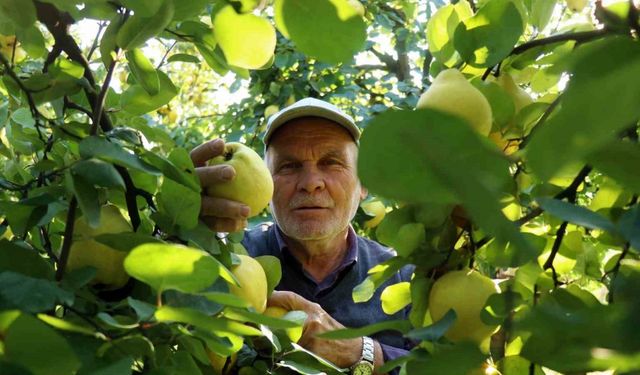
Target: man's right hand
{"points": [[221, 215]]}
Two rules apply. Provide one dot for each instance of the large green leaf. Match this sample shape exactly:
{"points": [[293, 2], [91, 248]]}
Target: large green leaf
{"points": [[248, 41], [22, 14], [36, 346], [619, 160], [98, 147], [489, 36], [179, 204], [137, 29], [332, 30], [586, 122], [166, 266], [458, 359], [143, 71], [29, 294], [426, 155], [137, 101], [576, 214], [440, 29], [23, 260], [201, 320]]}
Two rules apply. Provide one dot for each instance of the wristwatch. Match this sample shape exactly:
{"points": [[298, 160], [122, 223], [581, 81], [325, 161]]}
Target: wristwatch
{"points": [[365, 365]]}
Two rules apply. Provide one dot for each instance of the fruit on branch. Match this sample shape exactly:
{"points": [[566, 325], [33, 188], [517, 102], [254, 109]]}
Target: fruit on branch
{"points": [[520, 99], [252, 184], [86, 251], [7, 44], [252, 282], [218, 362], [466, 292], [450, 92]]}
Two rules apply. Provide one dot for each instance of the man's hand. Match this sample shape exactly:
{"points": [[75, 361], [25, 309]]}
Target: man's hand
{"points": [[221, 215], [343, 353]]}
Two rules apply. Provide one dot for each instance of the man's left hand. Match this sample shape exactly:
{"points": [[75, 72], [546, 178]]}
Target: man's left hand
{"points": [[343, 353]]}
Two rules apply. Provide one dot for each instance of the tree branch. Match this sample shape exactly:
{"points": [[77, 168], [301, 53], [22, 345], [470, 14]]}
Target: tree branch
{"points": [[68, 238]]}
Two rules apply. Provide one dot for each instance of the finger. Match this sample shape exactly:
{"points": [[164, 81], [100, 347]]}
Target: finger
{"points": [[223, 224], [291, 301], [220, 207], [215, 174], [206, 151]]}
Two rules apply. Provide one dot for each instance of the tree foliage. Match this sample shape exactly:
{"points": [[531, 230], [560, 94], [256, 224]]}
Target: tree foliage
{"points": [[547, 204]]}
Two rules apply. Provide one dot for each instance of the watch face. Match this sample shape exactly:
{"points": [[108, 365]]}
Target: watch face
{"points": [[363, 368]]}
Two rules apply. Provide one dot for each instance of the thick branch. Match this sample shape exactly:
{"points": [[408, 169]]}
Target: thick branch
{"points": [[58, 23]]}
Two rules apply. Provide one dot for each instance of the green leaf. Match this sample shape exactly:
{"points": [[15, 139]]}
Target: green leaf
{"points": [[120, 367], [420, 286], [137, 101], [23, 260], [108, 42], [619, 160], [143, 71], [188, 9], [137, 29], [183, 57], [296, 320], [395, 297], [401, 326], [629, 225], [184, 176], [225, 299], [272, 269], [200, 320], [125, 241], [54, 355], [248, 41], [489, 36], [88, 199], [32, 41], [28, 294], [585, 122], [98, 147], [22, 14], [164, 266], [440, 29], [436, 330], [576, 214], [458, 359], [427, 155], [145, 8], [331, 30], [98, 173], [179, 204], [541, 12], [499, 254], [377, 276]]}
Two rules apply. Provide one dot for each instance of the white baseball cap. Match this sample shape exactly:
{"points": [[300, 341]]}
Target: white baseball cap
{"points": [[311, 107]]}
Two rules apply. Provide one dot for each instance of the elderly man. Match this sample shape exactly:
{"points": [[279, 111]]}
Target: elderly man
{"points": [[311, 151]]}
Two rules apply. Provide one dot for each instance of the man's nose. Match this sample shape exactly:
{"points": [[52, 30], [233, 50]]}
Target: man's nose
{"points": [[311, 179]]}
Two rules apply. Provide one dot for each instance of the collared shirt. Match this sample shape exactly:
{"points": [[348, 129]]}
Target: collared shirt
{"points": [[334, 293]]}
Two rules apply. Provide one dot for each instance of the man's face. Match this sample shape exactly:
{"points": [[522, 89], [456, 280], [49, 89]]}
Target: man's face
{"points": [[316, 188]]}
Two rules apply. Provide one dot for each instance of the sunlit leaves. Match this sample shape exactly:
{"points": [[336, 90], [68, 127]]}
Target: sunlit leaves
{"points": [[440, 29], [137, 101], [586, 122], [405, 154], [248, 41], [331, 31], [166, 266], [138, 28], [489, 36]]}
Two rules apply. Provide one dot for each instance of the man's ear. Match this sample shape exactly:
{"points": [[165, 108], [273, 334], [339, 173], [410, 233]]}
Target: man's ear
{"points": [[363, 192]]}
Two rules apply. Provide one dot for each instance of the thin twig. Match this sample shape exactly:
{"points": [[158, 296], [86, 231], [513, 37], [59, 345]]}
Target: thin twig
{"points": [[99, 104], [68, 238]]}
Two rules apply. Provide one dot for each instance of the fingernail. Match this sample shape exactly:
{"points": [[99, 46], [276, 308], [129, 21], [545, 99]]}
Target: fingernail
{"points": [[228, 173], [245, 211]]}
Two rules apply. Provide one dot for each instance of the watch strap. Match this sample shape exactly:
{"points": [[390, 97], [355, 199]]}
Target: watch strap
{"points": [[368, 349]]}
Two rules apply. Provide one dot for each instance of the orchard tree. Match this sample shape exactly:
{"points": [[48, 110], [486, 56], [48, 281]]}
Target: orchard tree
{"points": [[500, 146]]}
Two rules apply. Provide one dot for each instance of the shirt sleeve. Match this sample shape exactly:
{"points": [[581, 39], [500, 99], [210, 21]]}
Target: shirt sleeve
{"points": [[390, 353]]}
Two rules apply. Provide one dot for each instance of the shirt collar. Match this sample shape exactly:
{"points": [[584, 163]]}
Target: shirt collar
{"points": [[352, 247]]}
